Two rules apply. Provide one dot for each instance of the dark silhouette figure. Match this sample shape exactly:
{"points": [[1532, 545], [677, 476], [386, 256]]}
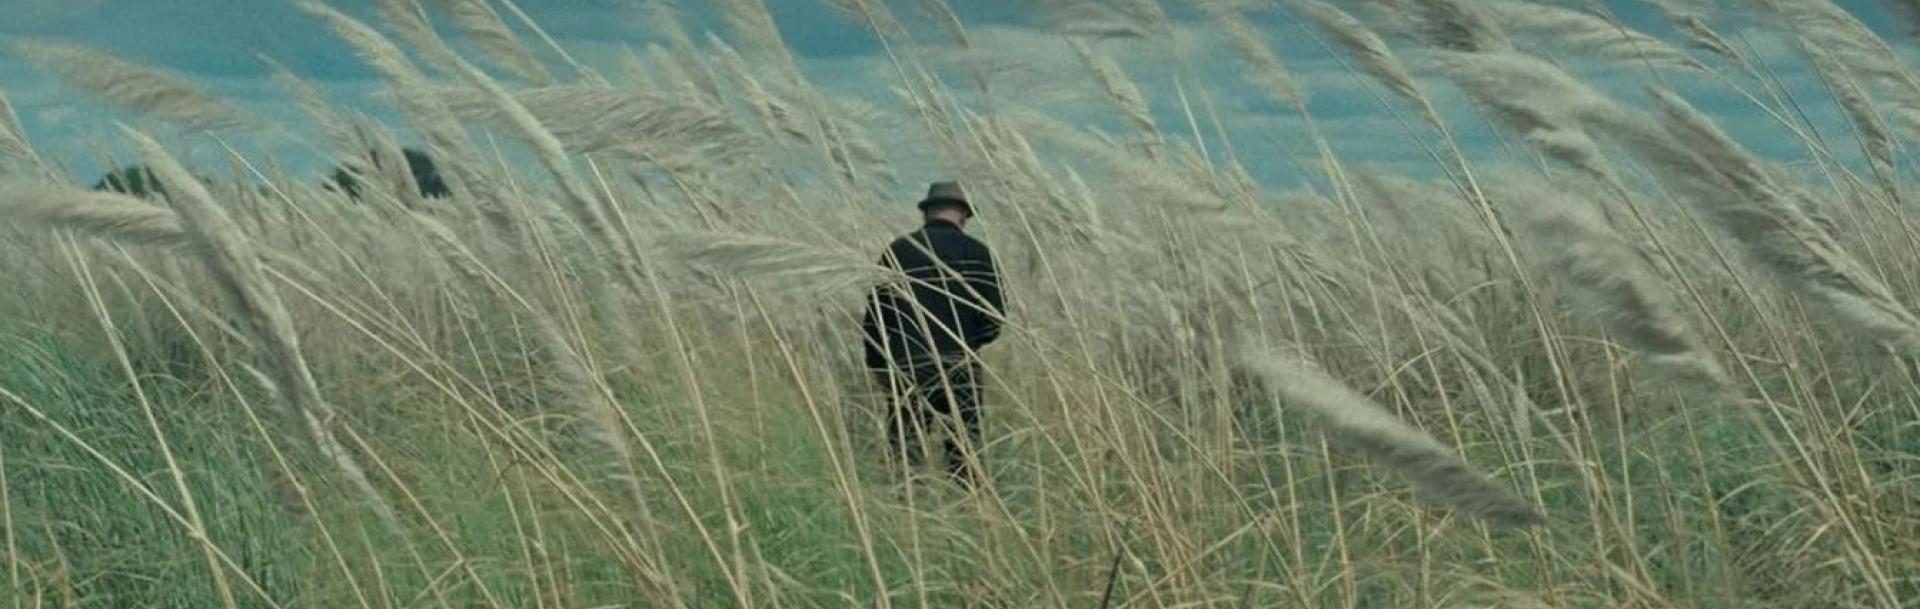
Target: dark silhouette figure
{"points": [[922, 337], [135, 180], [425, 176]]}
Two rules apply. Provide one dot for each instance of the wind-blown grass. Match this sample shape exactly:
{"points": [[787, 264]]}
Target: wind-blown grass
{"points": [[621, 365]]}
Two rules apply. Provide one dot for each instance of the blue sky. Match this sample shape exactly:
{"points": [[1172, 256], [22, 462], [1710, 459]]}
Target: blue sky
{"points": [[215, 43]]}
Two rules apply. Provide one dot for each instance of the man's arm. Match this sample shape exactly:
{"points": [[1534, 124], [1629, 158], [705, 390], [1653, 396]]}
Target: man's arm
{"points": [[870, 332], [984, 281], [879, 315]]}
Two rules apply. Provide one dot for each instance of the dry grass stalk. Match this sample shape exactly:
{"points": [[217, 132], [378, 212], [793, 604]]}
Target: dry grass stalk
{"points": [[664, 20], [13, 138], [331, 124], [1436, 472], [785, 263], [1537, 99], [1696, 8], [949, 19], [137, 88], [1119, 88], [1375, 58], [117, 217], [872, 15], [1266, 70], [757, 35], [1756, 211], [1100, 20], [583, 201], [1615, 283], [1875, 140], [1453, 25], [776, 116], [477, 20], [1597, 36], [635, 70], [673, 70], [1165, 184], [409, 24], [1531, 97], [1693, 24], [1850, 42], [245, 285], [445, 137], [594, 120]]}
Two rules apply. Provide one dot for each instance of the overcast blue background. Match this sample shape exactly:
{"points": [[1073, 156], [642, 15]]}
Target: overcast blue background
{"points": [[215, 43]]}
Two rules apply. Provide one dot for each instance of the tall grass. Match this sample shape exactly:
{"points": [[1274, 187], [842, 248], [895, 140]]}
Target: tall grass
{"points": [[627, 373]]}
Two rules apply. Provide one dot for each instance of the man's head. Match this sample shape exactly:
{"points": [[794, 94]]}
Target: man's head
{"points": [[946, 201]]}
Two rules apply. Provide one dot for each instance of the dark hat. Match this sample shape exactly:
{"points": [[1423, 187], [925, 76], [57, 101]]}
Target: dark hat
{"points": [[946, 193]]}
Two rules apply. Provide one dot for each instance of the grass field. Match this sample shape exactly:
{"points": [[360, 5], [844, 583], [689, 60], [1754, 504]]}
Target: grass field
{"points": [[1626, 363]]}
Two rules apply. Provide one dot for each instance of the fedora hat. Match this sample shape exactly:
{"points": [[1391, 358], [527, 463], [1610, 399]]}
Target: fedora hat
{"points": [[946, 193]]}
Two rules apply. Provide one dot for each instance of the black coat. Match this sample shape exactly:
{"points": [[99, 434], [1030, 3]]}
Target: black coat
{"points": [[950, 303]]}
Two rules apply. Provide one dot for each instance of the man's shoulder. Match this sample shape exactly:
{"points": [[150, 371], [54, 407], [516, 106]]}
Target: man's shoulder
{"points": [[972, 244], [942, 241]]}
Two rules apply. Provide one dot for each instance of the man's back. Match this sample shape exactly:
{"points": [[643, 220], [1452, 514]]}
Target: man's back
{"points": [[952, 303]]}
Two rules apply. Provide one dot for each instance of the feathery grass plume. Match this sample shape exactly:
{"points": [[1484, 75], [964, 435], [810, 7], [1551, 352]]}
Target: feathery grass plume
{"points": [[634, 68], [591, 119], [574, 379], [1875, 140], [409, 23], [445, 137], [1614, 282], [244, 283], [1135, 177], [1848, 41], [13, 138], [1597, 36], [757, 35], [1100, 20], [950, 20], [1375, 58], [1436, 473], [1533, 98], [782, 262], [836, 147], [410, 88], [1691, 19], [664, 20], [854, 117], [137, 88], [584, 202], [112, 216], [477, 20], [775, 115], [331, 125], [1750, 206], [872, 15], [380, 155], [1266, 70], [1119, 88], [1453, 25], [1700, 8], [672, 69]]}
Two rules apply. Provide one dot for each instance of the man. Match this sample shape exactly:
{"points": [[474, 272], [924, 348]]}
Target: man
{"points": [[924, 331]]}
